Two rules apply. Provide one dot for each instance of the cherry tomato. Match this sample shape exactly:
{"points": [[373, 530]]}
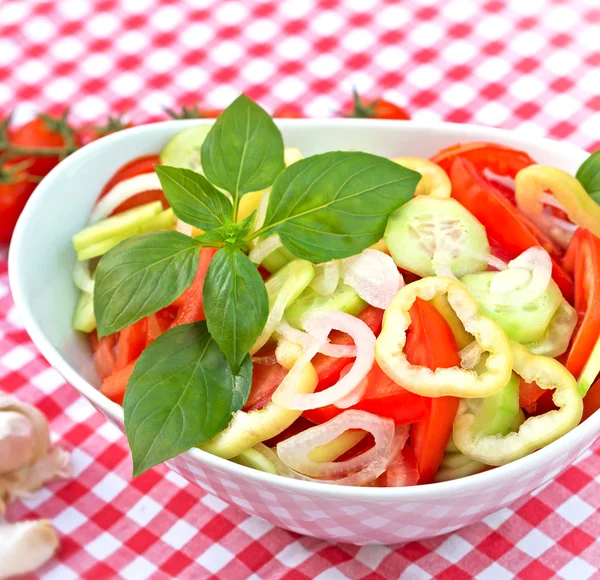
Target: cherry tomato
{"points": [[13, 196], [288, 111], [377, 109], [42, 132]]}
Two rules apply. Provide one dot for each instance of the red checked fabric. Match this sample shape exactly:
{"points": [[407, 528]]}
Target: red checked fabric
{"points": [[527, 64]]}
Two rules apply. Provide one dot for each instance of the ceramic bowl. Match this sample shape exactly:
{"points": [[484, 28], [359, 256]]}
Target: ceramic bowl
{"points": [[40, 265]]}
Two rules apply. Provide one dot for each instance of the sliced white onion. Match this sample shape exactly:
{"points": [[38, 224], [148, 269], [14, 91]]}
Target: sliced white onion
{"points": [[361, 469], [509, 280], [319, 324], [549, 199], [261, 213], [264, 248], [356, 395], [184, 228], [327, 277], [505, 180], [481, 256], [495, 262], [374, 276], [471, 355], [122, 192], [304, 339], [82, 277], [538, 262], [565, 225]]}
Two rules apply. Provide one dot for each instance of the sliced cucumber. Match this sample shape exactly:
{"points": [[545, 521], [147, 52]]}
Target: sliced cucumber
{"points": [[277, 260], [293, 279], [522, 322], [183, 150], [428, 227], [495, 415], [83, 318], [163, 221], [256, 460], [116, 225], [344, 299]]}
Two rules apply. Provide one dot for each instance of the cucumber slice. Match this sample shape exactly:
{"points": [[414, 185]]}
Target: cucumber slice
{"points": [[293, 279], [83, 318], [115, 225], [163, 221], [183, 150], [522, 322], [495, 415], [277, 259], [428, 226], [256, 460], [344, 299]]}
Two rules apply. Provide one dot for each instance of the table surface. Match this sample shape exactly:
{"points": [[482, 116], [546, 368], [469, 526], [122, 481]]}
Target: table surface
{"points": [[531, 65]]}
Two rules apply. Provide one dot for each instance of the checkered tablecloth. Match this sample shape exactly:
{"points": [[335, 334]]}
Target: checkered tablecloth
{"points": [[528, 64]]}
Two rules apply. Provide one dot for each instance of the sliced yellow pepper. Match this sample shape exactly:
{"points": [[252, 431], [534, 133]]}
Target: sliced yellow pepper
{"points": [[434, 180], [534, 181], [246, 429], [535, 432], [455, 381], [441, 304]]}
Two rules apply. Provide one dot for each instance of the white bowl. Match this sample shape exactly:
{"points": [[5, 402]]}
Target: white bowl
{"points": [[40, 264]]}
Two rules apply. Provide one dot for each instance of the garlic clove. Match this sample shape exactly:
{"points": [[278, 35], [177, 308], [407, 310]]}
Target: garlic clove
{"points": [[41, 440], [25, 546], [17, 441]]}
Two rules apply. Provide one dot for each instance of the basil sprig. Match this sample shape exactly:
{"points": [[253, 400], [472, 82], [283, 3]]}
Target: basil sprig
{"points": [[188, 382]]}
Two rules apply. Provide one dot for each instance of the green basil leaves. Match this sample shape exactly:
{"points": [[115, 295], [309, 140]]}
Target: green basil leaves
{"points": [[335, 205], [188, 382], [589, 175], [182, 393]]}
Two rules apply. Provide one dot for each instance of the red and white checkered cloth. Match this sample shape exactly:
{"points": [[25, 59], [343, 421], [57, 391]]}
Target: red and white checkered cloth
{"points": [[527, 64]]}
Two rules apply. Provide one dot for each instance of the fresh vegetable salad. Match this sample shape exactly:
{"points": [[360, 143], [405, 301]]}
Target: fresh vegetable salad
{"points": [[342, 318]]}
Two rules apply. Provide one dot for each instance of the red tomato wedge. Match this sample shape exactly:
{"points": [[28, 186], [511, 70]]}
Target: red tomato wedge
{"points": [[430, 343], [104, 353], [403, 471], [191, 302], [499, 159], [114, 386], [265, 380], [382, 397], [506, 226], [329, 368], [132, 341], [136, 167], [583, 258], [529, 393]]}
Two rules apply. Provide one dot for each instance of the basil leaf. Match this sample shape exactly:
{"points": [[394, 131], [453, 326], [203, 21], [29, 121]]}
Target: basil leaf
{"points": [[235, 303], [142, 275], [181, 393], [193, 198], [243, 151], [596, 197], [230, 234], [335, 205], [588, 173]]}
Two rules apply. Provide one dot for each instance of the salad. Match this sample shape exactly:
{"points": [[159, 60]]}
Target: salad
{"points": [[342, 318]]}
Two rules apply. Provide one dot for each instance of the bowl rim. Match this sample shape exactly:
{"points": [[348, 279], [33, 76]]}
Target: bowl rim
{"points": [[460, 486]]}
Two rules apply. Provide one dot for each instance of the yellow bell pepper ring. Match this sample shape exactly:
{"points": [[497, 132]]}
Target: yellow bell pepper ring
{"points": [[246, 429], [455, 381], [434, 180], [535, 432], [531, 185]]}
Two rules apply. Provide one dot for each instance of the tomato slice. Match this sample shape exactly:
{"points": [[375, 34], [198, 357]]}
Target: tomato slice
{"points": [[583, 258], [499, 159], [114, 385], [265, 380], [382, 397], [158, 324], [529, 393], [430, 343], [104, 353], [131, 343], [191, 302], [403, 471], [506, 226], [329, 368]]}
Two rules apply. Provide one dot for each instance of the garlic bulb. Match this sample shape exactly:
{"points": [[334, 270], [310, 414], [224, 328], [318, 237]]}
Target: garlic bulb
{"points": [[25, 546]]}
